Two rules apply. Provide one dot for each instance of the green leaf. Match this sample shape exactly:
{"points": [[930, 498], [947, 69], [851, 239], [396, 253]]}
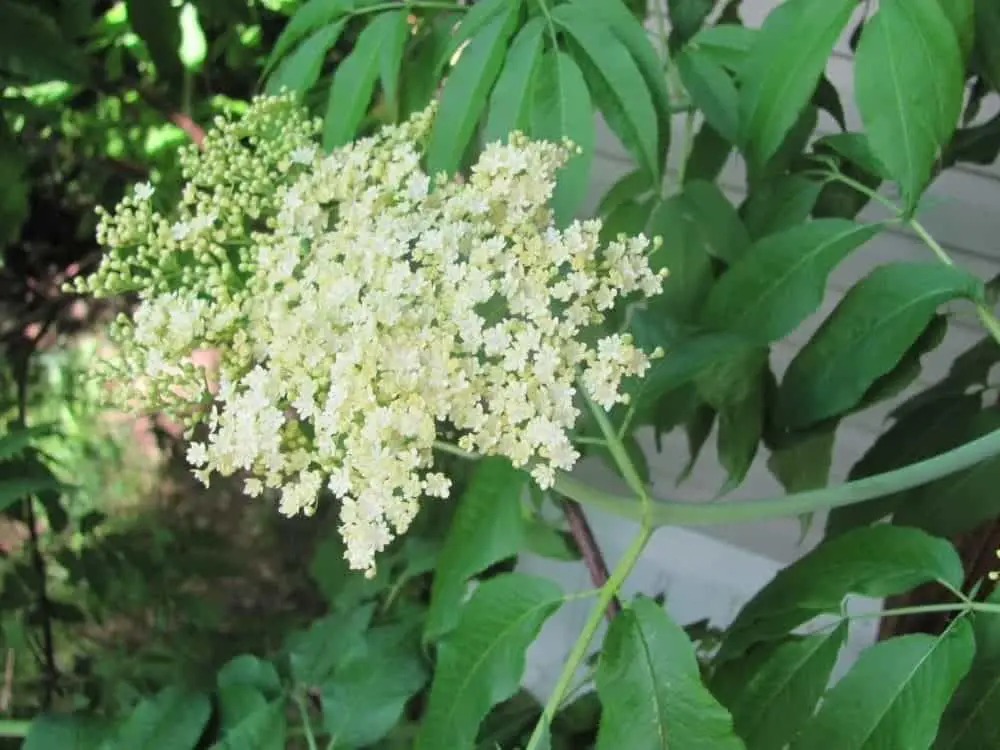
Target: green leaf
{"points": [[157, 23], [173, 719], [265, 728], [631, 113], [690, 266], [236, 703], [631, 33], [804, 464], [194, 46], [390, 59], [33, 47], [874, 561], [313, 15], [366, 696], [479, 16], [354, 79], [962, 15], [420, 73], [728, 44], [779, 695], [14, 490], [300, 70], [781, 280], [855, 148], [970, 722], [561, 108], [709, 154], [18, 439], [686, 17], [511, 97], [327, 644], [894, 695], [465, 90], [631, 185], [712, 91], [866, 336], [778, 204], [712, 221], [783, 68], [543, 540], [247, 669], [65, 732], [650, 688], [481, 663], [909, 85], [987, 52], [487, 528]]}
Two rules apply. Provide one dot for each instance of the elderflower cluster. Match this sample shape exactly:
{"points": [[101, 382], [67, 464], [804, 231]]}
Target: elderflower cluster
{"points": [[362, 308]]}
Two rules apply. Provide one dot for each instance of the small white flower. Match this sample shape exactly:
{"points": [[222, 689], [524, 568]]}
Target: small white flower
{"points": [[144, 191], [303, 155], [180, 230]]}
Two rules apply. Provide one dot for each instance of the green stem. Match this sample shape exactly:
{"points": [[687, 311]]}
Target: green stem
{"points": [[14, 727], [922, 609], [618, 452], [414, 5], [306, 724], [544, 8], [579, 650]]}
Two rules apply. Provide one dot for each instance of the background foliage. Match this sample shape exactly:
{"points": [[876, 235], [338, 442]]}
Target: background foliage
{"points": [[139, 611]]}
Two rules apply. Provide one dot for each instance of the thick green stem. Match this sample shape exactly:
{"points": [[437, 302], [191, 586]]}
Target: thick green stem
{"points": [[579, 650]]}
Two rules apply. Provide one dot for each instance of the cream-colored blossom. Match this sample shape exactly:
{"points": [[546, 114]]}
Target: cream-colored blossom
{"points": [[361, 307]]}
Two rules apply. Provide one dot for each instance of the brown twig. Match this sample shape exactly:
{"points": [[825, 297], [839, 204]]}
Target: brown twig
{"points": [[583, 535], [7, 694]]}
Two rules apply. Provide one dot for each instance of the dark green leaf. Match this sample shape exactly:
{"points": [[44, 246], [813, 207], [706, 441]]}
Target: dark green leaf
{"points": [[783, 68], [691, 273], [632, 185], [300, 70], [875, 561], [561, 108], [157, 23], [650, 688], [987, 52], [778, 204], [711, 222], [172, 720], [354, 79], [970, 722], [804, 464], [247, 669], [366, 696], [15, 490], [262, 729], [728, 44], [712, 91], [327, 644], [420, 72], [776, 699], [908, 85], [781, 280], [905, 373], [65, 732], [686, 17], [631, 112], [855, 148], [629, 217], [479, 16], [709, 154], [236, 703], [511, 97], [465, 90], [32, 46], [827, 99], [486, 528], [541, 539], [893, 697], [390, 60], [962, 15], [481, 663], [865, 337], [313, 15]]}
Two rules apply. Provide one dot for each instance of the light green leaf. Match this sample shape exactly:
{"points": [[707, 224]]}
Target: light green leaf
{"points": [[465, 90], [328, 643], [354, 79], [171, 720], [970, 721], [728, 44], [562, 108], [366, 696], [479, 16], [783, 68], [391, 58], [247, 669], [157, 23], [511, 97], [18, 439], [486, 528], [194, 46], [481, 663], [650, 688], [865, 337], [301, 69], [631, 113], [712, 91], [775, 698], [875, 561], [804, 464], [264, 728], [778, 204], [908, 80], [781, 280], [894, 695], [65, 732], [313, 15]]}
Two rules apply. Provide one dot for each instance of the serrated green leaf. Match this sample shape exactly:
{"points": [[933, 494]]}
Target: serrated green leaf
{"points": [[908, 80], [969, 722], [465, 90], [247, 669], [561, 107], [65, 732], [157, 23], [783, 68], [804, 464], [865, 337], [328, 643], [632, 115], [354, 80], [650, 688], [775, 699], [778, 204], [781, 280], [265, 728], [631, 33], [171, 720], [300, 70], [366, 697], [728, 44], [894, 695], [875, 561], [487, 528], [313, 15], [511, 97], [712, 91], [481, 663], [33, 47]]}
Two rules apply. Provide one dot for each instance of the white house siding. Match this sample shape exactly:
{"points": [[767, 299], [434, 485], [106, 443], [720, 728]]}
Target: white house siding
{"points": [[712, 571]]}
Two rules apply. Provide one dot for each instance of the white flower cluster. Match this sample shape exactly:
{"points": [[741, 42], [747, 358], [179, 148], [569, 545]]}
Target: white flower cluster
{"points": [[368, 308]]}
